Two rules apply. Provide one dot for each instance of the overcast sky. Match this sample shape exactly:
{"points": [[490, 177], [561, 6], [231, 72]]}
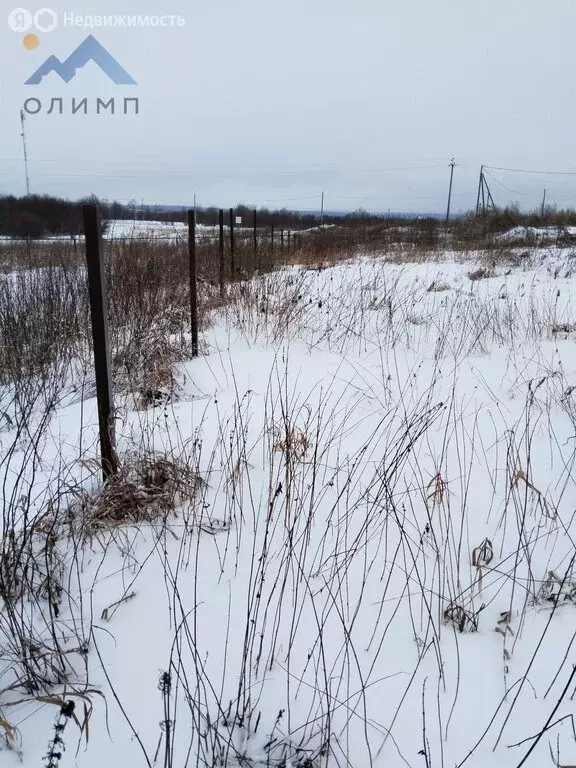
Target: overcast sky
{"points": [[270, 102]]}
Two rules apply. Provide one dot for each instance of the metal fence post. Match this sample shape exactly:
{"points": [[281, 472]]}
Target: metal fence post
{"points": [[193, 280], [232, 245], [99, 315], [221, 261]]}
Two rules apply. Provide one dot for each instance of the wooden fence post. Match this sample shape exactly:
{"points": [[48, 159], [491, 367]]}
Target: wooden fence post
{"points": [[232, 245], [255, 225], [221, 261], [99, 316], [193, 280]]}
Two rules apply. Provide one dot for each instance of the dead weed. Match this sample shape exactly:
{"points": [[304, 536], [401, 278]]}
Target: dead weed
{"points": [[144, 490]]}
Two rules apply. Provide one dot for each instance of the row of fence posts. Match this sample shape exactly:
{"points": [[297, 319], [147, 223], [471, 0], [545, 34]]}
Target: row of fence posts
{"points": [[287, 239], [99, 308]]}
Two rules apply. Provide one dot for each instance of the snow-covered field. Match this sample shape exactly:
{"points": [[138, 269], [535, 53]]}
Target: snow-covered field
{"points": [[378, 567], [118, 229], [177, 232], [149, 231], [540, 234]]}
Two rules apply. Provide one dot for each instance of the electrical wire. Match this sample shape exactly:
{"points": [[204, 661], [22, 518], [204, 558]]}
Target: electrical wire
{"points": [[524, 170], [514, 191]]}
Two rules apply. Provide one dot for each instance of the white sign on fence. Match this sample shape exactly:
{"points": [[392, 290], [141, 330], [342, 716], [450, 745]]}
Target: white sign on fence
{"points": [[239, 220]]}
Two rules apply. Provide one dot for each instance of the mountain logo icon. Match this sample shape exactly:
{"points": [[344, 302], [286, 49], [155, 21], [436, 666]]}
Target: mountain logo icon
{"points": [[89, 50]]}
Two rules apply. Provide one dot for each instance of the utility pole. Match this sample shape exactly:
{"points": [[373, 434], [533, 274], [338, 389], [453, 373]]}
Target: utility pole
{"points": [[480, 185], [484, 201], [23, 134], [543, 204], [322, 210], [452, 166]]}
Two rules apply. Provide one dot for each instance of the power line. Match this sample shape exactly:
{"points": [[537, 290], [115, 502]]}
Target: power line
{"points": [[145, 171], [514, 191], [524, 170], [439, 196]]}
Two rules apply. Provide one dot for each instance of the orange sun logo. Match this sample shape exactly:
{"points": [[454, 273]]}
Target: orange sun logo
{"points": [[31, 42]]}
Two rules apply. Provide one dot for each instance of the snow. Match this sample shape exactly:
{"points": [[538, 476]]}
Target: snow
{"points": [[535, 233], [115, 229], [161, 231], [118, 228], [305, 595]]}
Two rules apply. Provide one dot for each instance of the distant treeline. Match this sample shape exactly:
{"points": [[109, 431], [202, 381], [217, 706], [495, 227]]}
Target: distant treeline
{"points": [[38, 216]]}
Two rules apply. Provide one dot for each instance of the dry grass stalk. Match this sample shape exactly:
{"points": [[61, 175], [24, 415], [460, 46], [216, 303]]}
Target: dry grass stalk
{"points": [[482, 556], [10, 736], [436, 490], [482, 273], [436, 287], [461, 618], [293, 443], [563, 328], [143, 491], [541, 502]]}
